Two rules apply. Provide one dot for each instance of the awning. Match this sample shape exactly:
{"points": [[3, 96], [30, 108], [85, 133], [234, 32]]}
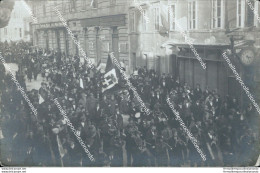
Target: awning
{"points": [[178, 43]]}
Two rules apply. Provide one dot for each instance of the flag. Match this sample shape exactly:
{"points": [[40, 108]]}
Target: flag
{"points": [[81, 83], [41, 100], [109, 65], [164, 24], [110, 80]]}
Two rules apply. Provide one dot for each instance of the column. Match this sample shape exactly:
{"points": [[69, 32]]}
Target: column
{"points": [[115, 39], [86, 41]]}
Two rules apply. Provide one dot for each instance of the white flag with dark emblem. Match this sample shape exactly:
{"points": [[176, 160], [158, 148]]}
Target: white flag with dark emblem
{"points": [[110, 80]]}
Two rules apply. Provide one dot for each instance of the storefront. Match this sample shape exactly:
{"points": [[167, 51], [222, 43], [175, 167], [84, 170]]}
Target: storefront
{"points": [[105, 34], [51, 36], [187, 68]]}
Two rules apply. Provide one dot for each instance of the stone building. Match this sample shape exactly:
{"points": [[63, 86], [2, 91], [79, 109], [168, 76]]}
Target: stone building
{"points": [[210, 25], [100, 26], [156, 34]]}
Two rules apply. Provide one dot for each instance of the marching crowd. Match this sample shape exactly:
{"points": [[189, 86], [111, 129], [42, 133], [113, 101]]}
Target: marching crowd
{"points": [[113, 123]]}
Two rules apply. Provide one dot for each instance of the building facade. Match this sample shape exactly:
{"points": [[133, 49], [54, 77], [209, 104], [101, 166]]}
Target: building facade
{"points": [[18, 27], [212, 26], [100, 26], [155, 34]]}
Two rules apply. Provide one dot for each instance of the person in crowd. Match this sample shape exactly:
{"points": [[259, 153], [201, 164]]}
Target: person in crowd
{"points": [[111, 122]]}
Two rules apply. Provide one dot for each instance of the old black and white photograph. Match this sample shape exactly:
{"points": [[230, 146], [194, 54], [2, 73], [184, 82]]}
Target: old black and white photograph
{"points": [[130, 83]]}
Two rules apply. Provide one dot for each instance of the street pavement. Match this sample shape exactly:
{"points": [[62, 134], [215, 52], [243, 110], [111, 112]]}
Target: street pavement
{"points": [[34, 84]]}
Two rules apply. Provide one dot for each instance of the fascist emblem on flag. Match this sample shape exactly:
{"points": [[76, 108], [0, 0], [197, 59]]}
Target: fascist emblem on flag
{"points": [[110, 80]]}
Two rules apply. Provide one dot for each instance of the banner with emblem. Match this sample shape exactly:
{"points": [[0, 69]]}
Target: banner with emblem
{"points": [[110, 80]]}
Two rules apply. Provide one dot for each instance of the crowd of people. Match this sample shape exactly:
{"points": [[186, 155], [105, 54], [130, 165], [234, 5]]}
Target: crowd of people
{"points": [[113, 123]]}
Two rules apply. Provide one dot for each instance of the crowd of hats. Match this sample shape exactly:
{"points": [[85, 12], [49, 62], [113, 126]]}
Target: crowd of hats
{"points": [[113, 123]]}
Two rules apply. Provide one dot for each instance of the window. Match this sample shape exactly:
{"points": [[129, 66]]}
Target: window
{"points": [[144, 20], [94, 3], [132, 21], [240, 13], [245, 15], [20, 31], [192, 14], [172, 17], [216, 13], [156, 18]]}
